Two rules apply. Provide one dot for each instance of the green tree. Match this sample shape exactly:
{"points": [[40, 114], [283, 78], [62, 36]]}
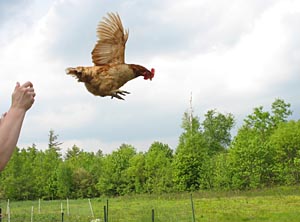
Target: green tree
{"points": [[221, 171], [19, 181], [281, 111], [158, 168], [14, 179], [285, 142], [216, 130], [77, 158], [49, 164], [252, 159], [82, 183], [73, 153], [40, 174], [64, 180], [190, 156], [53, 141], [115, 180], [136, 173], [85, 168], [265, 122]]}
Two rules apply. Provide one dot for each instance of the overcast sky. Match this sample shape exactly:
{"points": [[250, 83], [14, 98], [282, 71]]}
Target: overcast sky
{"points": [[232, 55]]}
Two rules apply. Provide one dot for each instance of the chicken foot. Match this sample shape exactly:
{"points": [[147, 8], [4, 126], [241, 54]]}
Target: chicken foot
{"points": [[115, 93]]}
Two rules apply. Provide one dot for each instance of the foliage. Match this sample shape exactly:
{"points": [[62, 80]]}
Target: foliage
{"points": [[253, 160], [114, 179], [190, 155], [265, 152], [158, 171], [216, 130], [285, 142]]}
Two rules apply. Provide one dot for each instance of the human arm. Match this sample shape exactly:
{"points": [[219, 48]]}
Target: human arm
{"points": [[11, 122]]}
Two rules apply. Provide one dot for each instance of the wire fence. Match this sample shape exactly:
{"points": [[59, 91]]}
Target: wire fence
{"points": [[100, 210]]}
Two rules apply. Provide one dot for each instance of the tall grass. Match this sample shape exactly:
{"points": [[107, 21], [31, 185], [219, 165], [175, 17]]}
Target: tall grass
{"points": [[266, 205]]}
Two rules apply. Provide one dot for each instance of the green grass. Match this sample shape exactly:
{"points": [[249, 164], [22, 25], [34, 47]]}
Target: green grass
{"points": [[267, 205]]}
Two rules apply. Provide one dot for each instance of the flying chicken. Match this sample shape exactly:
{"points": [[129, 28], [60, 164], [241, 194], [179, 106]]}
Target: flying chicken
{"points": [[110, 71]]}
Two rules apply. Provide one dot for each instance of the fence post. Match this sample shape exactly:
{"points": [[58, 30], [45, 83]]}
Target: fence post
{"points": [[8, 211], [68, 207], [152, 215], [39, 205], [31, 218], [105, 214], [62, 212], [91, 208], [193, 210], [106, 210]]}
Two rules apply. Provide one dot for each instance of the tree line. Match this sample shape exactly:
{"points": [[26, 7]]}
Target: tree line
{"points": [[265, 152]]}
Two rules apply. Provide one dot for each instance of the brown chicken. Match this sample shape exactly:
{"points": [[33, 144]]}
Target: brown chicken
{"points": [[109, 72]]}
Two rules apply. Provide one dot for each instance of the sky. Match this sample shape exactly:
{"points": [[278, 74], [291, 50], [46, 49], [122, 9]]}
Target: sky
{"points": [[232, 56]]}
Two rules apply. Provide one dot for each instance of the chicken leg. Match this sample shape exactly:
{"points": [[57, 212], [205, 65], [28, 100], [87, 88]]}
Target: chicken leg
{"points": [[115, 93]]}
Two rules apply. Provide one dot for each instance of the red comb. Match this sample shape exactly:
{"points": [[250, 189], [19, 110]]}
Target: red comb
{"points": [[153, 72]]}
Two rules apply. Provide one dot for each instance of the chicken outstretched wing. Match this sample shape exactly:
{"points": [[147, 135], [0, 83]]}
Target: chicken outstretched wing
{"points": [[110, 48]]}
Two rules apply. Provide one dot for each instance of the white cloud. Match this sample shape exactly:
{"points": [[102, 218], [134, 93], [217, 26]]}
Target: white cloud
{"points": [[233, 57]]}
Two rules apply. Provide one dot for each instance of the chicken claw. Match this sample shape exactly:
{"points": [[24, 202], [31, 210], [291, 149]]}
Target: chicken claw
{"points": [[115, 93]]}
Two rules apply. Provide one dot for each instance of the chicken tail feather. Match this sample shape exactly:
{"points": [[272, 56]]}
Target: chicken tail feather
{"points": [[77, 72], [71, 71]]}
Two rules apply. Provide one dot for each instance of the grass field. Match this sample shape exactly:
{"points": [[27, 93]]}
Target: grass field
{"points": [[277, 204]]}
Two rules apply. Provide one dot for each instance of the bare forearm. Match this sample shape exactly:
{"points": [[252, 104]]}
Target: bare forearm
{"points": [[9, 133], [11, 123]]}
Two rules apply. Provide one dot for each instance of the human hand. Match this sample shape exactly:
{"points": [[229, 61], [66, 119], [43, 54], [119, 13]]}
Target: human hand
{"points": [[23, 96]]}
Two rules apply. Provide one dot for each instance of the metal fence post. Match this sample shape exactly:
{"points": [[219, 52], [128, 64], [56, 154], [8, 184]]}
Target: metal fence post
{"points": [[152, 215], [105, 219], [107, 210]]}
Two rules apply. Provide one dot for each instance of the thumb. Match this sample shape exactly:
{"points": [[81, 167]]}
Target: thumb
{"points": [[17, 85]]}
